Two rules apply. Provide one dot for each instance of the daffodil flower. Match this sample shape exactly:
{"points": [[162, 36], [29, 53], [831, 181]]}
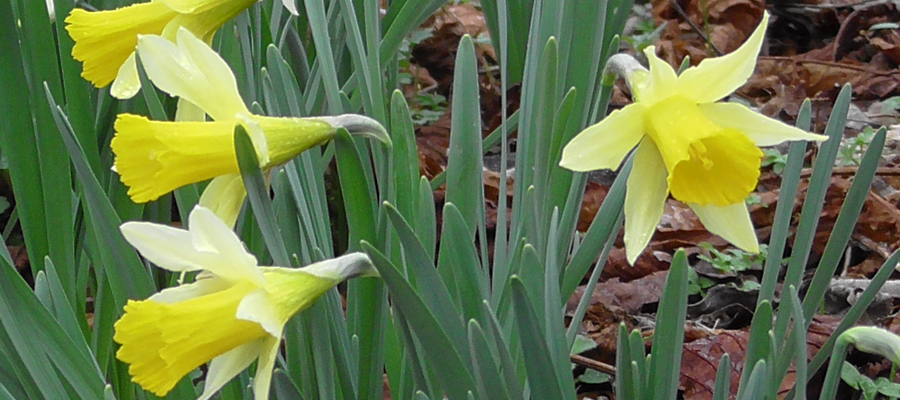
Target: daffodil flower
{"points": [[232, 315], [105, 40], [155, 157], [702, 152]]}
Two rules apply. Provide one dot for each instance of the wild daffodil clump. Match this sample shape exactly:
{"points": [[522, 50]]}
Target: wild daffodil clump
{"points": [[234, 312], [703, 152]]}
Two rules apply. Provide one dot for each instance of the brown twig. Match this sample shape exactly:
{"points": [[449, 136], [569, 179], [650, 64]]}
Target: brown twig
{"points": [[593, 364], [684, 15]]}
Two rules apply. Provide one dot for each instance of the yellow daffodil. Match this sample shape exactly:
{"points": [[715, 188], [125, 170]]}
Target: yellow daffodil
{"points": [[232, 315], [105, 40], [702, 152], [155, 157]]}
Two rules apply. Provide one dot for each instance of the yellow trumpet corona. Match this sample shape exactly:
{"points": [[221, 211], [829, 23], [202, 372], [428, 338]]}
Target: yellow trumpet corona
{"points": [[702, 152]]}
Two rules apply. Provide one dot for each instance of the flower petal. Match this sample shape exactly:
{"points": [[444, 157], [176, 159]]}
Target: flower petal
{"points": [[193, 71], [262, 382], [291, 5], [224, 196], [257, 307], [187, 111], [127, 82], [717, 77], [167, 247], [209, 233], [644, 199], [661, 83], [762, 130], [224, 368], [605, 144], [731, 222], [201, 287]]}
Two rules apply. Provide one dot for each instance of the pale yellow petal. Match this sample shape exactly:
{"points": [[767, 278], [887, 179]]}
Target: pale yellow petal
{"points": [[762, 130], [717, 77], [605, 144], [263, 379], [128, 82], [225, 196], [258, 307], [168, 247], [209, 233], [224, 368], [291, 5], [644, 199], [193, 71], [732, 223], [201, 287], [187, 111], [661, 83]]}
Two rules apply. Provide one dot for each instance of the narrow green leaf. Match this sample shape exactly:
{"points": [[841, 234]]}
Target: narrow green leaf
{"points": [[625, 382], [459, 256], [324, 55], [425, 217], [542, 380], [17, 132], [465, 186], [844, 225], [757, 345], [723, 379], [598, 233], [358, 201], [258, 194], [443, 355], [406, 158], [798, 335], [818, 186], [127, 276], [485, 366], [587, 296], [665, 364], [49, 354], [757, 384], [850, 318], [790, 181], [427, 281]]}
